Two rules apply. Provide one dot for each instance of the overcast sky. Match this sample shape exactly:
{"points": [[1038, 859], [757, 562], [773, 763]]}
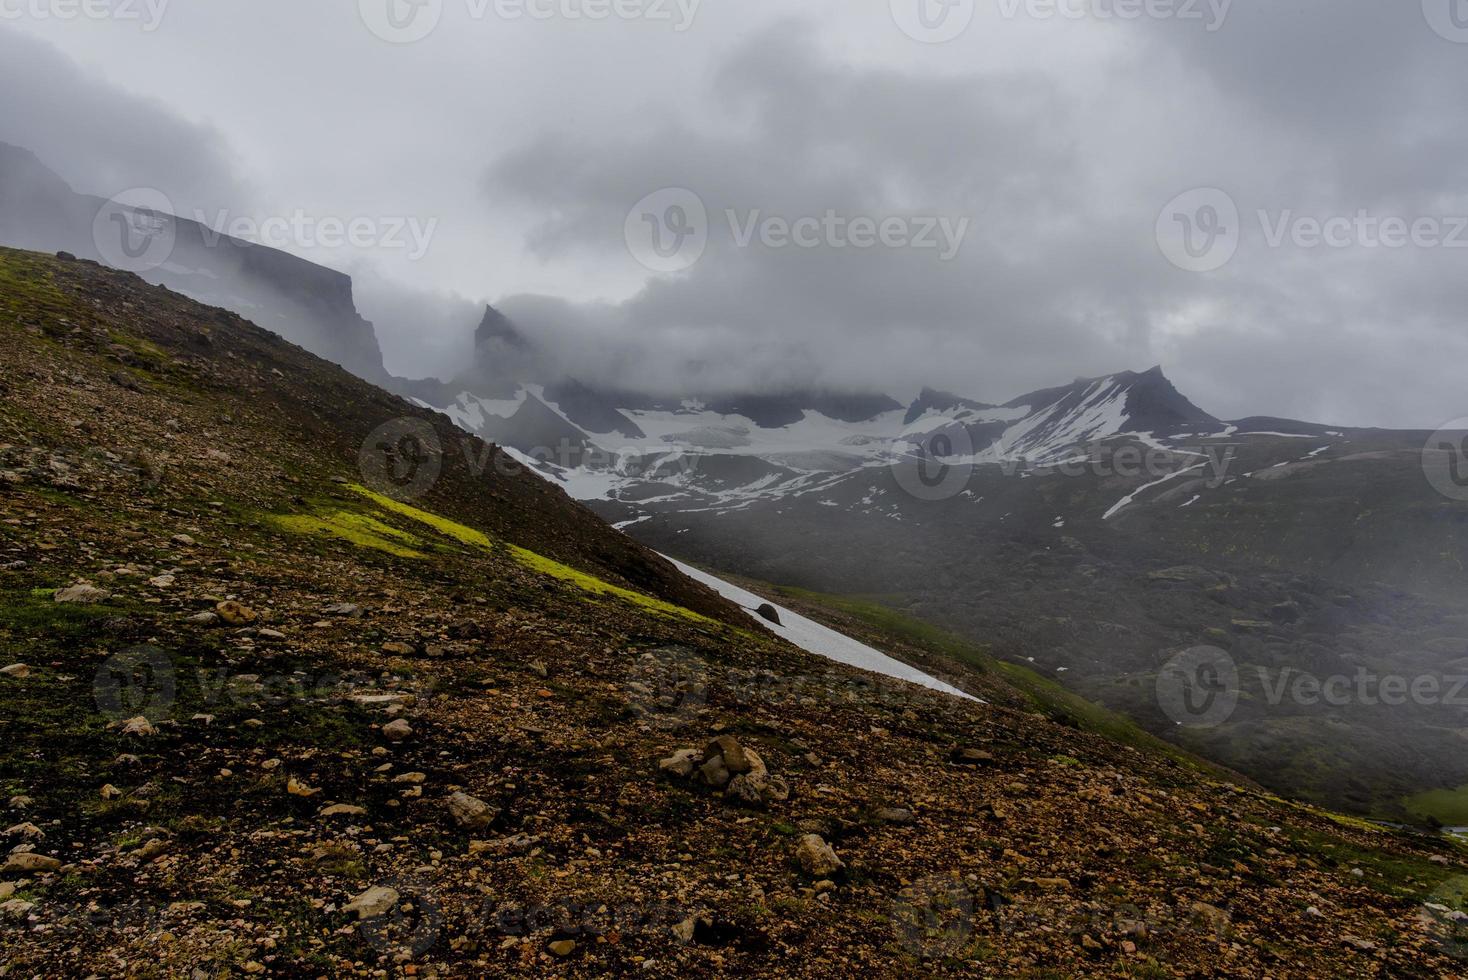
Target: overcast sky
{"points": [[1059, 144]]}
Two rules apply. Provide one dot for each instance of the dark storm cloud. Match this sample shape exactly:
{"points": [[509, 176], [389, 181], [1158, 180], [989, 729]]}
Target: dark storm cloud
{"points": [[1314, 111]]}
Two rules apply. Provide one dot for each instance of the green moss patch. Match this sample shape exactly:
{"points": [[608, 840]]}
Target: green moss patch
{"points": [[358, 529], [451, 529], [596, 586]]}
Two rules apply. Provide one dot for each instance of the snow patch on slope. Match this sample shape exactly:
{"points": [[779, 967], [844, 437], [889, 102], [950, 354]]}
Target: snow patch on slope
{"points": [[820, 640]]}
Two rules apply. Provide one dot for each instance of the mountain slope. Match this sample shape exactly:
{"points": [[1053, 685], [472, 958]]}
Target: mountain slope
{"points": [[247, 690]]}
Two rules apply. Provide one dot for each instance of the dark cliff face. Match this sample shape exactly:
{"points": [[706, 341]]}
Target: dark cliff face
{"points": [[305, 303]]}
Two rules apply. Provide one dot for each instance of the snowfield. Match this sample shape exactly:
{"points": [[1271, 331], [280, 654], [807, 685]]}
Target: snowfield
{"points": [[820, 640]]}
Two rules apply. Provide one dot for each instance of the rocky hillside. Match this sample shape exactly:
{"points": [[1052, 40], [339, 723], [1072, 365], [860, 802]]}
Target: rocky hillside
{"points": [[277, 703]]}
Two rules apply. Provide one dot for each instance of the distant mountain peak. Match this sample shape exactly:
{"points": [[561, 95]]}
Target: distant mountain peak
{"points": [[497, 327]]}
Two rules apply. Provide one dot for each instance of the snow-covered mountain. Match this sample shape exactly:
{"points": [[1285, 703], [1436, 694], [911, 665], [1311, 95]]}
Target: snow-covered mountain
{"points": [[660, 455]]}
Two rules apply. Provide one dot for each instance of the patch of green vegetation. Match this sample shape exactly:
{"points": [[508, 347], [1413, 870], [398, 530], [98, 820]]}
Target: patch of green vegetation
{"points": [[358, 529], [28, 286], [451, 529], [594, 585], [1449, 807]]}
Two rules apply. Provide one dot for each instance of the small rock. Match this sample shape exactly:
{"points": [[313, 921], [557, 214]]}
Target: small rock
{"points": [[769, 612], [268, 634], [372, 903], [816, 858], [26, 862], [82, 593], [183, 539], [970, 757], [736, 760], [471, 813], [397, 730], [563, 947], [235, 614], [343, 810], [397, 649], [349, 609], [139, 726], [110, 792], [888, 814], [681, 763], [27, 830], [297, 788], [714, 773], [15, 908]]}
